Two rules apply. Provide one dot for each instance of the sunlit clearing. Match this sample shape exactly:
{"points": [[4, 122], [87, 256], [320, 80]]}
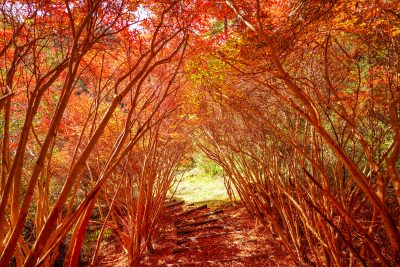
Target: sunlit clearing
{"points": [[202, 181]]}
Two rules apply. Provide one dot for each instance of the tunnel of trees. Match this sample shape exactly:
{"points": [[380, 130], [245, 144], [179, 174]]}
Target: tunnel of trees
{"points": [[103, 103]]}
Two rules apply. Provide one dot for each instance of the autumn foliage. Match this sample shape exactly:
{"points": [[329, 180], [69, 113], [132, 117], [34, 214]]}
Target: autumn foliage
{"points": [[297, 101], [305, 123]]}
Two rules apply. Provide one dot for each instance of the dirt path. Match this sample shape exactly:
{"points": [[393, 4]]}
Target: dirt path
{"points": [[200, 235]]}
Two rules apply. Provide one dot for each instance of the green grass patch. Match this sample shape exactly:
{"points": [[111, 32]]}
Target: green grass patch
{"points": [[202, 183]]}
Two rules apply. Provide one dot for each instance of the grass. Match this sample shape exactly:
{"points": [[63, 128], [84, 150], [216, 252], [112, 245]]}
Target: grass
{"points": [[202, 183]]}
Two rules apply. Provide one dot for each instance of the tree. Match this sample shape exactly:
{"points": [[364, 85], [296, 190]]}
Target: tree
{"points": [[316, 148], [96, 51]]}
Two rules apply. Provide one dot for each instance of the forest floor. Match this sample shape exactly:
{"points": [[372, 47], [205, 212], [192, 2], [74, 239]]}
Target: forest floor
{"points": [[214, 235], [202, 227]]}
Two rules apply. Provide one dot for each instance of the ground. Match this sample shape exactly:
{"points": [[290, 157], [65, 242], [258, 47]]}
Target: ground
{"points": [[202, 227], [200, 183], [234, 239]]}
